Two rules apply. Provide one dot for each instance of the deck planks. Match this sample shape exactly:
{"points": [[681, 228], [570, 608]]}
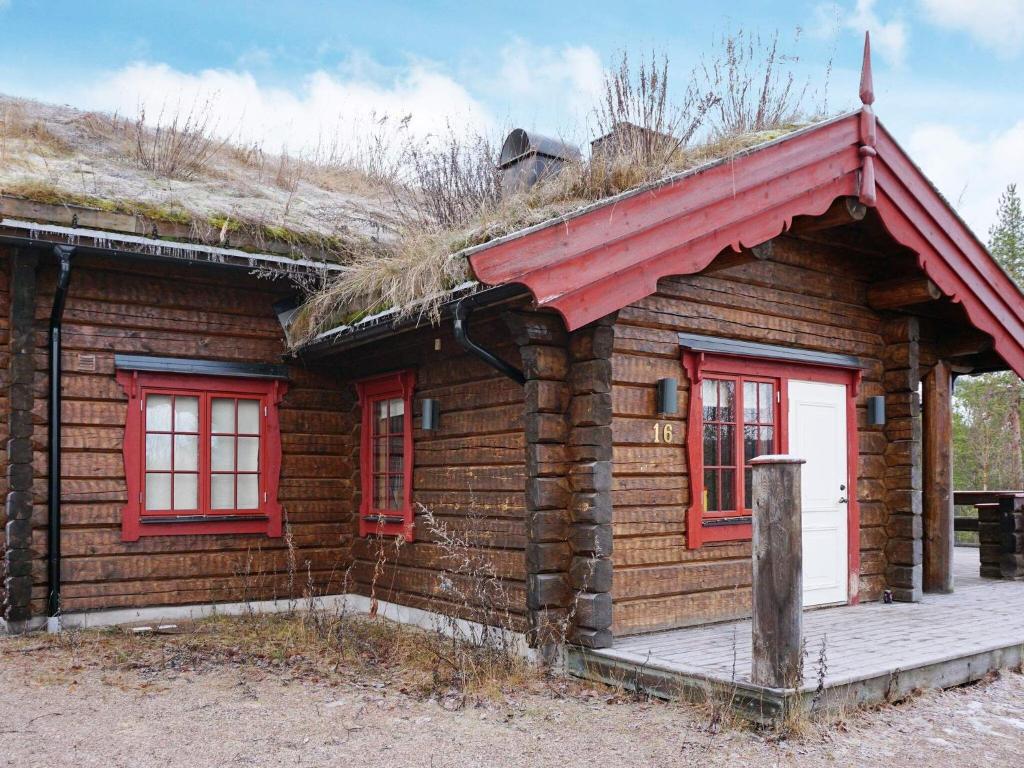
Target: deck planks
{"points": [[860, 642]]}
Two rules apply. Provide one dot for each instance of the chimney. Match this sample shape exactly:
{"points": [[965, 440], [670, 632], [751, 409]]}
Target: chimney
{"points": [[632, 140], [526, 158]]}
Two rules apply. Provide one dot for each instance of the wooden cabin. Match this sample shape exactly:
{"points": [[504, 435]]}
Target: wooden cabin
{"points": [[581, 420]]}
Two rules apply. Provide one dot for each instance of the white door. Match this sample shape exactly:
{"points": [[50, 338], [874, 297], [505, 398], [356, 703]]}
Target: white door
{"points": [[817, 433]]}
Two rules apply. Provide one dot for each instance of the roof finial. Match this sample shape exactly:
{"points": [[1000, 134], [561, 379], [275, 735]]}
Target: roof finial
{"points": [[867, 86]]}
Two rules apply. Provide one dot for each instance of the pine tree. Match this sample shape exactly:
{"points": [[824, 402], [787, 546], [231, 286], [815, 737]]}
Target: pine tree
{"points": [[1006, 236], [1006, 243], [987, 427]]}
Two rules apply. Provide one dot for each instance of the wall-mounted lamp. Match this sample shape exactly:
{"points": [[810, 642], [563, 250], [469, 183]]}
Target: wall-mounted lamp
{"points": [[431, 411], [667, 397], [876, 410]]}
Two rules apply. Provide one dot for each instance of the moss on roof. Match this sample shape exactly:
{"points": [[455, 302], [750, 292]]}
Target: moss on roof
{"points": [[57, 155]]}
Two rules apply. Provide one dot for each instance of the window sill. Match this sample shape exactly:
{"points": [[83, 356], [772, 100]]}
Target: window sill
{"points": [[721, 522], [172, 519]]}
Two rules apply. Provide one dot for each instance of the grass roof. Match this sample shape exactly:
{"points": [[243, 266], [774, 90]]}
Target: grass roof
{"points": [[178, 173]]}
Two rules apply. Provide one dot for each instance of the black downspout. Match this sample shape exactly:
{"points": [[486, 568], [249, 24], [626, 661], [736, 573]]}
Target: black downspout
{"points": [[461, 327], [63, 254]]}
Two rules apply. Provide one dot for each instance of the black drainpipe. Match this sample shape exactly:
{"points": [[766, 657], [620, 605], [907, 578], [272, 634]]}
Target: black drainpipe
{"points": [[461, 327], [63, 254]]}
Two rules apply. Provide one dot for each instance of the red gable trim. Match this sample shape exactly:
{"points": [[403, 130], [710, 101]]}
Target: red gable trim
{"points": [[614, 253], [917, 216]]}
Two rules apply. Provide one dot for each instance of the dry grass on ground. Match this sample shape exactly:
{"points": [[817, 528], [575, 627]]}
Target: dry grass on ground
{"points": [[260, 691]]}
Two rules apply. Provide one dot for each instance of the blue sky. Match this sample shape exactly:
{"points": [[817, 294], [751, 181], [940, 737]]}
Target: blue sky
{"points": [[947, 72]]}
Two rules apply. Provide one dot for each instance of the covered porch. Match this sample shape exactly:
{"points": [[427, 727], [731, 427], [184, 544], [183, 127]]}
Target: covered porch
{"points": [[853, 654]]}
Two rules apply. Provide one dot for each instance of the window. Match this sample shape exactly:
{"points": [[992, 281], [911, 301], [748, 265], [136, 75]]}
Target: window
{"points": [[740, 411], [386, 455], [202, 454], [738, 424]]}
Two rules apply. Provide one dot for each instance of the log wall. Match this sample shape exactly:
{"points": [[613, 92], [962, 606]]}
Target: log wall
{"points": [[805, 295], [179, 311], [468, 558]]}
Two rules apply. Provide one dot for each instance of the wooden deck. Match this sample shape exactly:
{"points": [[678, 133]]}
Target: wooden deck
{"points": [[871, 652]]}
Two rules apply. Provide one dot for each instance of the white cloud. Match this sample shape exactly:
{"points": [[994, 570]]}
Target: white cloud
{"points": [[299, 117], [540, 82], [888, 38], [537, 85], [996, 24], [970, 171]]}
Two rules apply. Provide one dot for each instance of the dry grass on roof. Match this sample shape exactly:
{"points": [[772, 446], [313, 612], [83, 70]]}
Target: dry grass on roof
{"points": [[173, 168], [742, 94]]}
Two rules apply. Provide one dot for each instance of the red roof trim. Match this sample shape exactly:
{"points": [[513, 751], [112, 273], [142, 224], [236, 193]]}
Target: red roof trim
{"points": [[613, 254]]}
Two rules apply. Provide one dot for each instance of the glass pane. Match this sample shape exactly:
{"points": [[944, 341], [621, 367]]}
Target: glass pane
{"points": [[158, 451], [158, 491], [709, 394], [750, 444], [750, 401], [222, 492], [186, 414], [380, 454], [158, 413], [380, 491], [186, 491], [397, 410], [248, 492], [248, 417], [711, 490], [766, 441], [380, 424], [747, 482], [222, 453], [767, 400], [248, 453], [396, 445], [710, 445], [186, 452], [728, 444], [395, 496], [726, 401], [728, 490], [223, 414]]}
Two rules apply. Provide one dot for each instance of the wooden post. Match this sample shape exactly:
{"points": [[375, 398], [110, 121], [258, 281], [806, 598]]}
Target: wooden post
{"points": [[778, 572], [18, 551], [938, 480]]}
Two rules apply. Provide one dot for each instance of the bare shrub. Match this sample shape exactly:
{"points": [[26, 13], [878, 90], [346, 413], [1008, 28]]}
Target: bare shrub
{"points": [[641, 132], [179, 146], [755, 82], [453, 178]]}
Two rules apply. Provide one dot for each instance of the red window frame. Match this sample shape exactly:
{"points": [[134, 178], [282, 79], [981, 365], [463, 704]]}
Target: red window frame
{"points": [[266, 518], [739, 465], [372, 519], [702, 365]]}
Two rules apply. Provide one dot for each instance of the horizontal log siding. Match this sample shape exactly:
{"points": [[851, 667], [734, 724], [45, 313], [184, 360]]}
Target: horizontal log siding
{"points": [[803, 296], [181, 311], [469, 473]]}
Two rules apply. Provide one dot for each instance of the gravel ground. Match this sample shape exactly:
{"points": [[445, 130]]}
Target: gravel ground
{"points": [[69, 706]]}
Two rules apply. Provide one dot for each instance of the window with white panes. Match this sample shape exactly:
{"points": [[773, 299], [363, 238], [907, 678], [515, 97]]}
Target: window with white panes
{"points": [[201, 449]]}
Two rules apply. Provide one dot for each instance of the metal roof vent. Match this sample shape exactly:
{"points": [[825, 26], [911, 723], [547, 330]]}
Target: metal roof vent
{"points": [[526, 158]]}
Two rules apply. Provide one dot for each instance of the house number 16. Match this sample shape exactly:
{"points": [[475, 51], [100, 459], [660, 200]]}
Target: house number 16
{"points": [[662, 432]]}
